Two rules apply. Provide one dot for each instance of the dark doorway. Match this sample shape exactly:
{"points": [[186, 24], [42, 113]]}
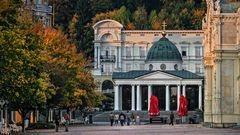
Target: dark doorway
{"points": [[144, 97], [126, 97], [192, 97], [160, 92], [173, 98]]}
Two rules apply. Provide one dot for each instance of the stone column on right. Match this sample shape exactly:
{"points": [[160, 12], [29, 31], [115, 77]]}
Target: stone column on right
{"points": [[178, 96], [133, 98], [139, 98], [149, 95], [167, 98], [200, 97]]}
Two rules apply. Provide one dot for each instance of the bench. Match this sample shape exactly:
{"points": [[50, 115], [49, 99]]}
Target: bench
{"points": [[159, 119]]}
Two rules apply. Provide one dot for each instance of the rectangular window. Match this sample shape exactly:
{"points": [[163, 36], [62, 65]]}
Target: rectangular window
{"points": [[128, 52], [141, 52], [107, 68], [128, 34], [198, 68], [156, 35], [184, 66], [113, 52], [197, 34], [169, 34], [142, 66], [198, 51], [184, 34], [128, 67], [142, 34], [184, 51]]}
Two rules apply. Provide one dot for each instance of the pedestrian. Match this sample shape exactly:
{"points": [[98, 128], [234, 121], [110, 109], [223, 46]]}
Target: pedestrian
{"points": [[128, 120], [57, 121], [171, 118], [116, 118], [122, 118], [111, 118], [67, 120], [132, 118], [138, 120]]}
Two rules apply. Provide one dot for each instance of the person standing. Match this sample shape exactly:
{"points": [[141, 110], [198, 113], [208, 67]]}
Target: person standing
{"points": [[111, 118], [67, 120], [132, 118], [116, 118], [57, 121], [122, 118], [171, 118]]}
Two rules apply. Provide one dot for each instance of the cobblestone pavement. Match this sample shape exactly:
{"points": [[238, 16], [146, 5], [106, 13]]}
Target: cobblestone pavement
{"points": [[181, 129]]}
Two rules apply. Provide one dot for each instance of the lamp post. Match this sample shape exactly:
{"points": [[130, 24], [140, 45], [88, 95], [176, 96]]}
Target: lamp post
{"points": [[2, 102]]}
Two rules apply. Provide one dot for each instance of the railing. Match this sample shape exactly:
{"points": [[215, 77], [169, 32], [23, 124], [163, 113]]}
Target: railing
{"points": [[107, 58], [43, 8]]}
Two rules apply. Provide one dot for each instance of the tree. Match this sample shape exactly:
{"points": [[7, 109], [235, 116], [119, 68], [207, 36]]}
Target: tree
{"points": [[122, 16], [154, 20], [140, 18], [69, 72], [23, 81]]}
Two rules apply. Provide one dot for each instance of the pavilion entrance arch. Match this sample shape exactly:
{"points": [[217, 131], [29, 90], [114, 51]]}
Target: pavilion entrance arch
{"points": [[107, 86]]}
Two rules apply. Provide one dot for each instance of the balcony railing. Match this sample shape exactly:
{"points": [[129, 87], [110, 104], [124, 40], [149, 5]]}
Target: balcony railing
{"points": [[43, 8], [107, 58]]}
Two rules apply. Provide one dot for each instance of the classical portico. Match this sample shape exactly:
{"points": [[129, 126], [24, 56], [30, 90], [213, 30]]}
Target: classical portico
{"points": [[171, 83]]}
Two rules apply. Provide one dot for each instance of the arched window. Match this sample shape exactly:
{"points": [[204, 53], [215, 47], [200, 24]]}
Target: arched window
{"points": [[150, 67], [107, 85]]}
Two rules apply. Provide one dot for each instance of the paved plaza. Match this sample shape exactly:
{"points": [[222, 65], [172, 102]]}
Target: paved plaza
{"points": [[156, 129]]}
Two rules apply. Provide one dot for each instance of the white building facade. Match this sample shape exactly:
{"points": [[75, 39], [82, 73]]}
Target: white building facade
{"points": [[42, 10], [119, 50]]}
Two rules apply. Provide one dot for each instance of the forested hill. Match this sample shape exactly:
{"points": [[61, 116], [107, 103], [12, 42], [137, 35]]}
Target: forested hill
{"points": [[76, 17]]}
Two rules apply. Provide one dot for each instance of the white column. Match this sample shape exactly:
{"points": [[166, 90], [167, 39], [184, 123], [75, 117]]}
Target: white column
{"points": [[116, 57], [98, 57], [116, 97], [120, 97], [178, 96], [37, 115], [138, 98], [95, 57], [132, 51], [1, 114], [133, 98], [49, 115], [184, 91], [149, 95], [200, 97], [12, 115], [120, 57], [167, 98]]}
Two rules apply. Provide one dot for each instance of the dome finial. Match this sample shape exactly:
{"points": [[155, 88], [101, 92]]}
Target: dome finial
{"points": [[164, 28]]}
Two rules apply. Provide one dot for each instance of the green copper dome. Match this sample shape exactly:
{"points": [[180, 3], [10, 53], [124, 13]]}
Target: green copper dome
{"points": [[163, 50]]}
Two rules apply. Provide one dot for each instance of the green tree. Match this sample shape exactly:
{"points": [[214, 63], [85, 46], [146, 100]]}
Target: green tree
{"points": [[23, 81], [69, 72], [122, 15], [140, 18]]}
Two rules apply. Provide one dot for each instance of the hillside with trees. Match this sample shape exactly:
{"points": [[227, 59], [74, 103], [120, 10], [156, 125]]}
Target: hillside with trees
{"points": [[76, 17]]}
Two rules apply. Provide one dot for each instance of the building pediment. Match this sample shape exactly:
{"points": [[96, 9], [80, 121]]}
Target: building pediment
{"points": [[159, 75], [107, 24]]}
